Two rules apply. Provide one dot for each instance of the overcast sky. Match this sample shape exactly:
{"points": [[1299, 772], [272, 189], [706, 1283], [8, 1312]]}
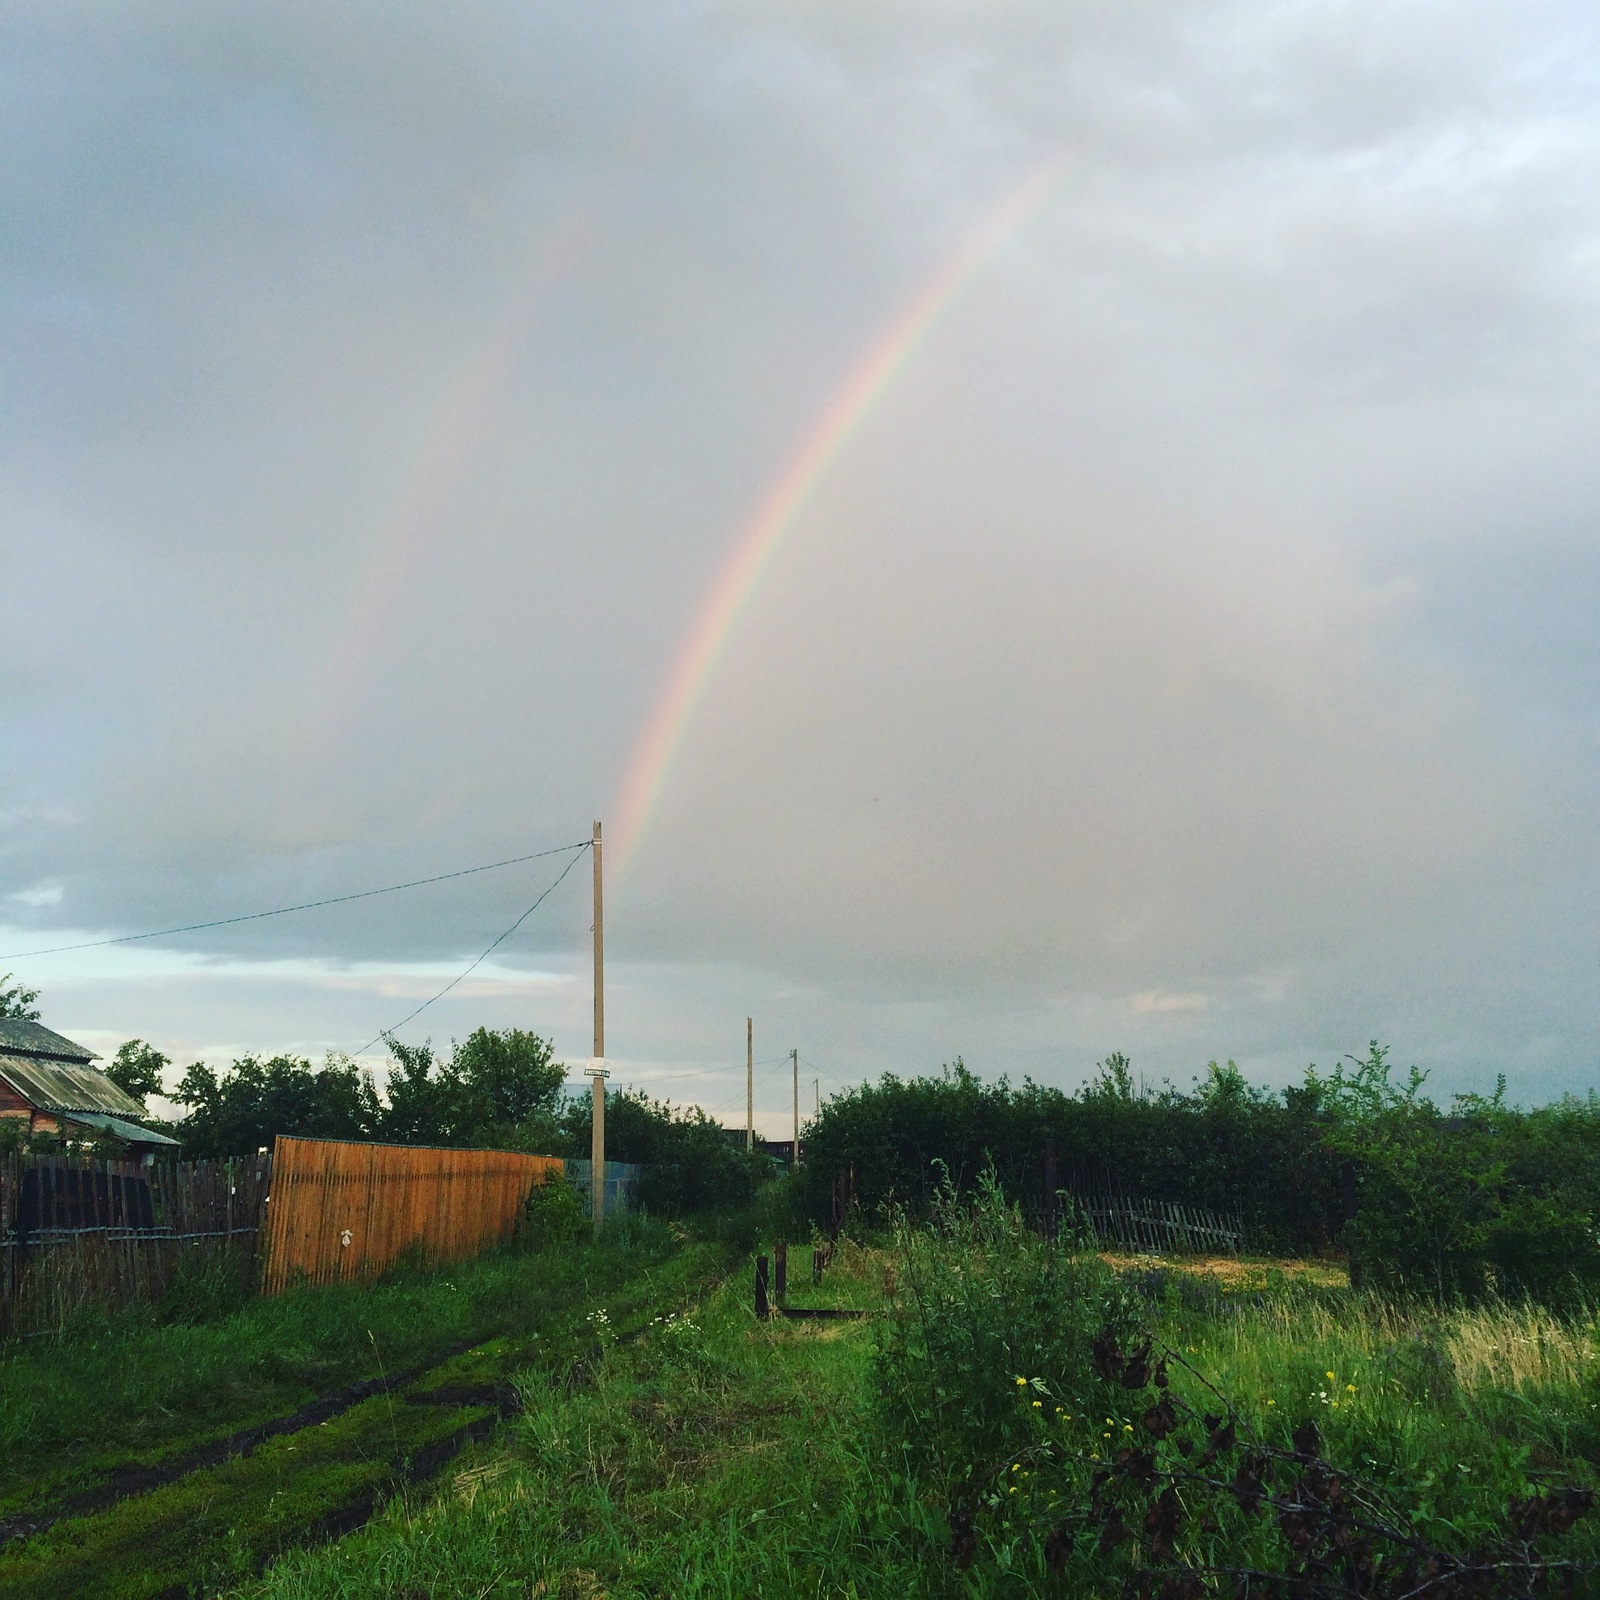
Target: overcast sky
{"points": [[1192, 653]]}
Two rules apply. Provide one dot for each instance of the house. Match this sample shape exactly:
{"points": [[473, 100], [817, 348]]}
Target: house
{"points": [[48, 1082]]}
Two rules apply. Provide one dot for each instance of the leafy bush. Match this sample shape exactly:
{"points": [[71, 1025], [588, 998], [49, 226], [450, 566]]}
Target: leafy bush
{"points": [[690, 1164], [980, 1308], [555, 1212], [1483, 1200], [1079, 1453]]}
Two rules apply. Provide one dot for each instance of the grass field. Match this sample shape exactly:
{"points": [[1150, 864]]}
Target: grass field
{"points": [[160, 1392], [667, 1443], [725, 1457]]}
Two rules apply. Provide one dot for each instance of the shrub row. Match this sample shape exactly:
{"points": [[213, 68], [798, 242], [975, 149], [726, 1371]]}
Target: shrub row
{"points": [[1466, 1200], [1227, 1146]]}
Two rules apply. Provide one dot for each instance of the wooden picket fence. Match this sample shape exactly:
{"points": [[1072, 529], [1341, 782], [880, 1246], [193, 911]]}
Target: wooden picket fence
{"points": [[77, 1233], [343, 1212]]}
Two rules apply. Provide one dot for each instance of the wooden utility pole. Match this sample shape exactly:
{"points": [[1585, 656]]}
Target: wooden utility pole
{"points": [[599, 953], [794, 1061], [749, 1084], [597, 1148], [597, 1073], [816, 1096]]}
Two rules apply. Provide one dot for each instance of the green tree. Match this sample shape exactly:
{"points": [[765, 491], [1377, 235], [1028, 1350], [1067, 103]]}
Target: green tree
{"points": [[136, 1069], [497, 1087], [502, 1079], [417, 1111], [237, 1112], [690, 1163], [16, 1001]]}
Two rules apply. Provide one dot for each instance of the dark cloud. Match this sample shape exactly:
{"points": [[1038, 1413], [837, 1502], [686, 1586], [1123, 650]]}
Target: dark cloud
{"points": [[1190, 653]]}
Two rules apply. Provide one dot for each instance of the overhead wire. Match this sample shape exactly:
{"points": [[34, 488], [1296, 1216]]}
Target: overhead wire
{"points": [[466, 972], [309, 905]]}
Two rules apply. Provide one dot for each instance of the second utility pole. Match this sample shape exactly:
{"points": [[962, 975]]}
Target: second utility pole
{"points": [[749, 1084], [794, 1060], [597, 1072]]}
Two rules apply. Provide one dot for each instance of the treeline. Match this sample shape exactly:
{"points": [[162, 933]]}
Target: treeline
{"points": [[1227, 1145], [1471, 1198], [495, 1089]]}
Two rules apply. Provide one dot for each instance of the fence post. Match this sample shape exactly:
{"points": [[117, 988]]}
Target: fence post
{"points": [[1050, 1186], [780, 1262], [762, 1309]]}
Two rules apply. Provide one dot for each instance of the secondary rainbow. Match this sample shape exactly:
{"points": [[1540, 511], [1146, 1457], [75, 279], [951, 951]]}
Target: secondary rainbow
{"points": [[775, 513], [442, 462]]}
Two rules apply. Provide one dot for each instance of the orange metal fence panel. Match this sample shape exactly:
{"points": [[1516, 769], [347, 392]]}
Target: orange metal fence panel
{"points": [[339, 1212]]}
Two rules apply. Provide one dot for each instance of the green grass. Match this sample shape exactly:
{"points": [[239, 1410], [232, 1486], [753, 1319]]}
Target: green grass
{"points": [[721, 1457], [219, 1525], [1474, 1406], [718, 1457], [73, 1410]]}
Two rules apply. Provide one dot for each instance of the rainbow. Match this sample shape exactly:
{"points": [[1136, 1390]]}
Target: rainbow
{"points": [[775, 514], [443, 460]]}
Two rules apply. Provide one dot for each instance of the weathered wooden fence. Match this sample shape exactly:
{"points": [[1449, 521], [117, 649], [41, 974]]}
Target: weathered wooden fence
{"points": [[76, 1232], [347, 1211], [1161, 1226]]}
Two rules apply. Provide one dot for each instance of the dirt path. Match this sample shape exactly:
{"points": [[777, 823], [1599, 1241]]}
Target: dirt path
{"points": [[221, 1513]]}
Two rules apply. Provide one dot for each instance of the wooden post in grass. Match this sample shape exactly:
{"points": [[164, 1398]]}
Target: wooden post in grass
{"points": [[762, 1309], [1050, 1186]]}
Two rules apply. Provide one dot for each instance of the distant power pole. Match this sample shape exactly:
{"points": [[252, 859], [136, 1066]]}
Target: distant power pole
{"points": [[816, 1095], [749, 1084], [597, 1073], [794, 1061]]}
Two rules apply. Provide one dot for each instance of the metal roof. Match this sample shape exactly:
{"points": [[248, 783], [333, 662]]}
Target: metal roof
{"points": [[130, 1131], [21, 1038], [63, 1086]]}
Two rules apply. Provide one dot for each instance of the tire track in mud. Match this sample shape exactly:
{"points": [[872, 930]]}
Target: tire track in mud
{"points": [[137, 1478], [562, 1352]]}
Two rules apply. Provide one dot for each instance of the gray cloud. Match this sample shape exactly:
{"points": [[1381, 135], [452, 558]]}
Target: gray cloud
{"points": [[1191, 652]]}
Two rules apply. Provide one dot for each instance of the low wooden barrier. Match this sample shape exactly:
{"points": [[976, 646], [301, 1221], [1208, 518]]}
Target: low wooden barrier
{"points": [[78, 1233], [342, 1211], [1129, 1222]]}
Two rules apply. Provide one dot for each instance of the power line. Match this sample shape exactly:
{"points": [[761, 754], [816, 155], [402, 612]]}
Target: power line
{"points": [[309, 905], [486, 954]]}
